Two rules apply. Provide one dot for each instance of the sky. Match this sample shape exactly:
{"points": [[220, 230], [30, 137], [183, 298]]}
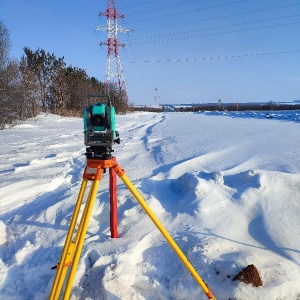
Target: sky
{"points": [[177, 51]]}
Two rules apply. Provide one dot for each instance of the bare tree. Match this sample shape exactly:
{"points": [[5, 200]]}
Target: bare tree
{"points": [[5, 79], [4, 46], [18, 91]]}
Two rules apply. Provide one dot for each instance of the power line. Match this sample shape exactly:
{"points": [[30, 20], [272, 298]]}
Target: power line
{"points": [[139, 4], [165, 7], [138, 68], [185, 12], [216, 57], [217, 18], [213, 28], [218, 33]]}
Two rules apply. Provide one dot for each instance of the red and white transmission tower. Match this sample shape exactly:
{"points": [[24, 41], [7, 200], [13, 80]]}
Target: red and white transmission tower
{"points": [[113, 72]]}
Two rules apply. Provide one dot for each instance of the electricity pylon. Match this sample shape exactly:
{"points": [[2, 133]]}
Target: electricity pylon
{"points": [[113, 71]]}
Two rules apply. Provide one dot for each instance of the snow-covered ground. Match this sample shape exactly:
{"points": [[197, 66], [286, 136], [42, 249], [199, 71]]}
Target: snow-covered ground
{"points": [[227, 189]]}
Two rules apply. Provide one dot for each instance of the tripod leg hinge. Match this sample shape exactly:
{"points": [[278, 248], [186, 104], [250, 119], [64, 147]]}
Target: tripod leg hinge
{"points": [[120, 172]]}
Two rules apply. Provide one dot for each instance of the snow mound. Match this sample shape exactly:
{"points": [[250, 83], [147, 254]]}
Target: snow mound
{"points": [[186, 183], [3, 238]]}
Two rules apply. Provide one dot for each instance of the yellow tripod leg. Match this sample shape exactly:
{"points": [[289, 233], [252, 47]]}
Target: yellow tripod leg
{"points": [[81, 235], [69, 258], [68, 247], [80, 226], [73, 245], [165, 233]]}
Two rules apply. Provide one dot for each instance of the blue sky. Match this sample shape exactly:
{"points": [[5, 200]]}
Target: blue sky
{"points": [[190, 51]]}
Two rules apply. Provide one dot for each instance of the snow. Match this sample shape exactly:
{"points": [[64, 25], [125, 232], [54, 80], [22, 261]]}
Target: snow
{"points": [[226, 187]]}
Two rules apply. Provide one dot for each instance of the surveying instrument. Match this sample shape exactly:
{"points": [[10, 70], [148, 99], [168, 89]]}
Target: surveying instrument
{"points": [[99, 135]]}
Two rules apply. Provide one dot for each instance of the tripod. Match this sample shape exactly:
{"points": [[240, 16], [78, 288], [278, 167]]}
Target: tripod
{"points": [[93, 172]]}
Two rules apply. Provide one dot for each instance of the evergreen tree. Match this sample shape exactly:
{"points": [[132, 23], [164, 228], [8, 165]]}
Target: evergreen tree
{"points": [[47, 71]]}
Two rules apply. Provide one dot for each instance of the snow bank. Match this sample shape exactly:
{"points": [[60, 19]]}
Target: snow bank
{"points": [[227, 190]]}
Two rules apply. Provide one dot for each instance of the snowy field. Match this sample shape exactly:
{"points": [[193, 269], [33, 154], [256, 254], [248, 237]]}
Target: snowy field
{"points": [[227, 188]]}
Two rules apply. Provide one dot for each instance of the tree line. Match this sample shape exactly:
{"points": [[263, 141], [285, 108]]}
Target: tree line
{"points": [[40, 81], [235, 107]]}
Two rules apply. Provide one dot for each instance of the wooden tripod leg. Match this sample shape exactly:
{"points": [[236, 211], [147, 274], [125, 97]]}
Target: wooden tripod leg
{"points": [[113, 201], [68, 247], [81, 236], [163, 230]]}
